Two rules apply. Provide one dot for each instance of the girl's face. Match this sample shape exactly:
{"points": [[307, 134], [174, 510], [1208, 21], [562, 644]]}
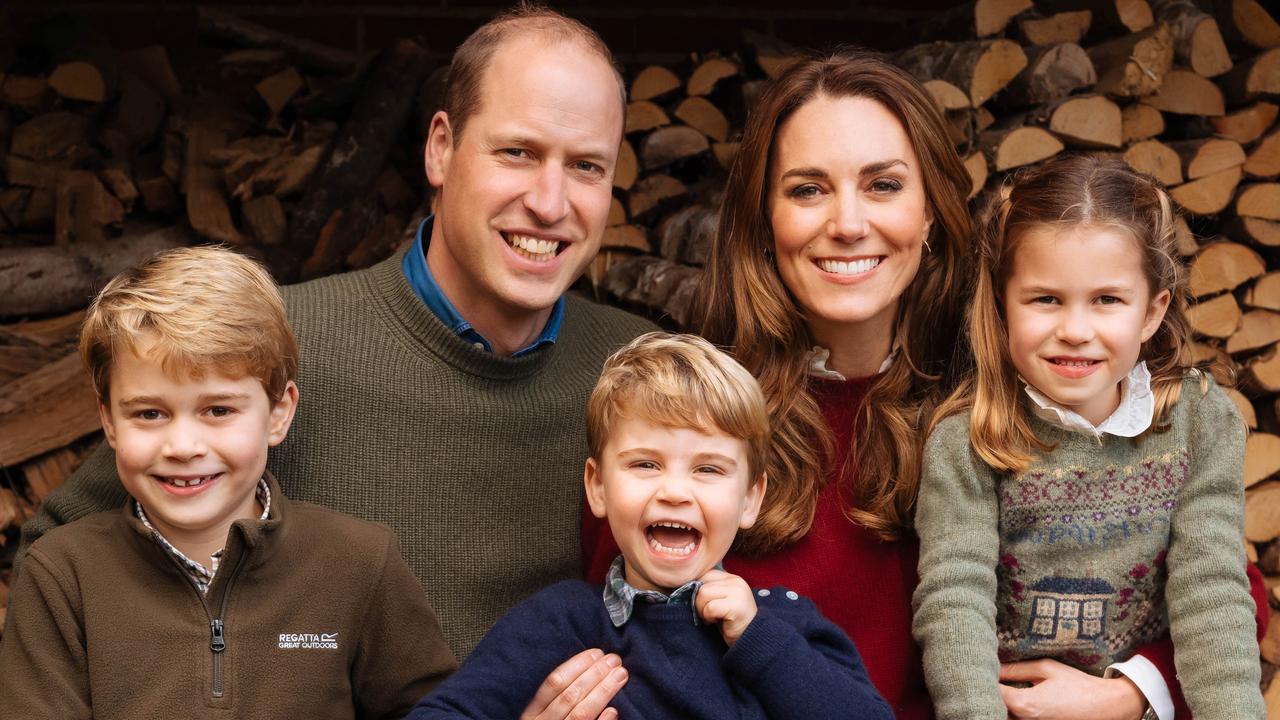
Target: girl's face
{"points": [[1079, 307], [847, 204]]}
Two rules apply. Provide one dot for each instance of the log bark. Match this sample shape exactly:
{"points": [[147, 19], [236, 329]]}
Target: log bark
{"points": [[1197, 42], [667, 145], [215, 23], [46, 280], [629, 237], [1260, 231], [979, 68], [51, 136], [84, 207], [947, 96], [1262, 374], [976, 164], [207, 208], [264, 216], [1052, 73], [360, 150], [1135, 65], [1253, 79], [1246, 24], [45, 410], [1109, 16]]}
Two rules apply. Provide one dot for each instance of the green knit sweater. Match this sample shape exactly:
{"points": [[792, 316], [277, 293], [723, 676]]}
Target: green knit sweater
{"points": [[474, 460], [1100, 546]]}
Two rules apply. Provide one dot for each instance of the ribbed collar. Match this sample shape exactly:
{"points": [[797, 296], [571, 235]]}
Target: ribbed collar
{"points": [[1132, 418], [419, 330]]}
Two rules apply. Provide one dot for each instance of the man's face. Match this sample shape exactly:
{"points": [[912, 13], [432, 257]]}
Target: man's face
{"points": [[524, 194]]}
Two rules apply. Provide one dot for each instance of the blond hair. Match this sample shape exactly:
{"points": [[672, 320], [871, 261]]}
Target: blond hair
{"points": [[471, 59], [202, 309], [679, 381], [750, 311], [1069, 191]]}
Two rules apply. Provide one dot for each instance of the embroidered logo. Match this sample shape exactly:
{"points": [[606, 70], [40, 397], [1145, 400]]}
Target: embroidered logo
{"points": [[308, 641]]}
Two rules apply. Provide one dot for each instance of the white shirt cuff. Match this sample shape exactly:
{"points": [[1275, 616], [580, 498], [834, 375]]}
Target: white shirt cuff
{"points": [[1150, 683]]}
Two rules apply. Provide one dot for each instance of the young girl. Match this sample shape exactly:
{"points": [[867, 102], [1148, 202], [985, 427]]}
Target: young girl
{"points": [[1090, 498]]}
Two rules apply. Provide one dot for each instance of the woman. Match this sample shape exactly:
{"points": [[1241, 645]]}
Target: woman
{"points": [[839, 278]]}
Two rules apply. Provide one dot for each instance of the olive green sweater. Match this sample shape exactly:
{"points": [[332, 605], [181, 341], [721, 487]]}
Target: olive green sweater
{"points": [[474, 460], [1099, 547], [316, 617]]}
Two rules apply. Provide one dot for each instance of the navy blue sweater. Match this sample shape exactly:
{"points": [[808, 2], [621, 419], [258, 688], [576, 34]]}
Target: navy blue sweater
{"points": [[789, 663]]}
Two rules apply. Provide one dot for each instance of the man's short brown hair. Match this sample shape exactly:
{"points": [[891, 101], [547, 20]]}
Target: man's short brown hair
{"points": [[471, 59], [202, 310]]}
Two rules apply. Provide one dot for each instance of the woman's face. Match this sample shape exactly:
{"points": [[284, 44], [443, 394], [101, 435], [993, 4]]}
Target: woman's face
{"points": [[847, 204]]}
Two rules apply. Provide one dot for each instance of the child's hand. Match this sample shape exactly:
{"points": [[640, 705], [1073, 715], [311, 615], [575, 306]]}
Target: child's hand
{"points": [[726, 599]]}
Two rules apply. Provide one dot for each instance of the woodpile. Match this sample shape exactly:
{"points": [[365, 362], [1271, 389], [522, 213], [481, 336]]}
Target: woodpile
{"points": [[107, 155]]}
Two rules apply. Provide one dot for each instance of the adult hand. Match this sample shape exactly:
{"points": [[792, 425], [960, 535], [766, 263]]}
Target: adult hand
{"points": [[579, 689], [1061, 692], [726, 599]]}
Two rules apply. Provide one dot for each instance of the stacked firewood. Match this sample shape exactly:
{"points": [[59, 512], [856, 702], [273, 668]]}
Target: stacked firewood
{"points": [[309, 158]]}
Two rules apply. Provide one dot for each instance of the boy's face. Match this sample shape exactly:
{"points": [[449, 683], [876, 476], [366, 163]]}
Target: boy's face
{"points": [[191, 450], [674, 497]]}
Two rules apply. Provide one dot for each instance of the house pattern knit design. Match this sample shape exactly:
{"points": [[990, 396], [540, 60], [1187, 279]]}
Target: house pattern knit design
{"points": [[1087, 621]]}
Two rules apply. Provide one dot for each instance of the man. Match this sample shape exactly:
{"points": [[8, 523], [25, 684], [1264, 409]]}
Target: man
{"points": [[446, 386]]}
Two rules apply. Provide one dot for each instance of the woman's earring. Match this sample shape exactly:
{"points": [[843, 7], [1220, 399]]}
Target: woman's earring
{"points": [[927, 249]]}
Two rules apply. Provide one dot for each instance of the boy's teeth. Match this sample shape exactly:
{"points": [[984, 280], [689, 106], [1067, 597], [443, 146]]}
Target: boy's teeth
{"points": [[533, 248], [179, 482], [857, 267], [670, 550]]}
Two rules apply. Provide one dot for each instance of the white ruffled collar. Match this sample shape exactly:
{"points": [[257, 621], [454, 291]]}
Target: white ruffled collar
{"points": [[1132, 418], [819, 355]]}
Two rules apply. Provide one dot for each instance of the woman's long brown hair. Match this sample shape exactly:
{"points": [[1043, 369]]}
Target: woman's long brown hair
{"points": [[749, 310]]}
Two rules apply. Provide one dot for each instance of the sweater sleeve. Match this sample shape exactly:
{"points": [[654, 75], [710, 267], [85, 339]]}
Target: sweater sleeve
{"points": [[92, 488], [1160, 652], [501, 676], [44, 671], [957, 521], [402, 654], [1211, 614], [799, 664]]}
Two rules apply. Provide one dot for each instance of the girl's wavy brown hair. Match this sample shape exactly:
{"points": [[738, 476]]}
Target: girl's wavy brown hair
{"points": [[749, 310], [1069, 191]]}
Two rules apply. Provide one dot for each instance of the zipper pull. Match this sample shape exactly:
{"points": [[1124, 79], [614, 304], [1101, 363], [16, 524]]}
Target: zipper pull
{"points": [[217, 644]]}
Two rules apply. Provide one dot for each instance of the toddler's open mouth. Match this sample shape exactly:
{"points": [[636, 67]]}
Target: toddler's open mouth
{"points": [[672, 538]]}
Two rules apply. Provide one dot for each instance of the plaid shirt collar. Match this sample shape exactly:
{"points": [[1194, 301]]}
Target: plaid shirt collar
{"points": [[200, 576], [620, 597]]}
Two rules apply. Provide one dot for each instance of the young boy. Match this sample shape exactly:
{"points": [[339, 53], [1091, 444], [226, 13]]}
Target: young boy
{"points": [[678, 433], [210, 593]]}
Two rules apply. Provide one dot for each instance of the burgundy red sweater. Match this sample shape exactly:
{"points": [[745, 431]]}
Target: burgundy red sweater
{"points": [[858, 581]]}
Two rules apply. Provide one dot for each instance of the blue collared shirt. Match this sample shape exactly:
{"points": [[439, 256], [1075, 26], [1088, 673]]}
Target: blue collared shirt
{"points": [[426, 288], [620, 596]]}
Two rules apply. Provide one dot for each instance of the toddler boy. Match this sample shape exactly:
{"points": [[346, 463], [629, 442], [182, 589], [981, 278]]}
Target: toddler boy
{"points": [[210, 593], [677, 432]]}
